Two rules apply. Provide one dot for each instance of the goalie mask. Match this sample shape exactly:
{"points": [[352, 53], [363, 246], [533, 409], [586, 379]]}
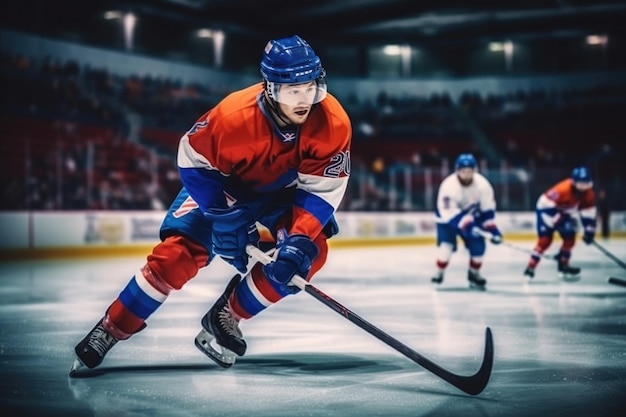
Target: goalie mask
{"points": [[292, 72]]}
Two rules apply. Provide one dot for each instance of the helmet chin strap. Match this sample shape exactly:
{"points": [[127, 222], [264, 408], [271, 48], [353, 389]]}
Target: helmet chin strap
{"points": [[275, 109]]}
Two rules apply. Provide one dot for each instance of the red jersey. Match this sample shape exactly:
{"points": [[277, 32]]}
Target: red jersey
{"points": [[236, 151], [562, 198]]}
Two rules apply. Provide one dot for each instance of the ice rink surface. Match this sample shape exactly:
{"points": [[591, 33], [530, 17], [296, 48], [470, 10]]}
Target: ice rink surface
{"points": [[560, 347]]}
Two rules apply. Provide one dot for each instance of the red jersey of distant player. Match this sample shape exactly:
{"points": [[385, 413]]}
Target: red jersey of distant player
{"points": [[316, 158], [566, 199]]}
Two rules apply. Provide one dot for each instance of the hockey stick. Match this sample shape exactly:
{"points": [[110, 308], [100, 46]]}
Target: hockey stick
{"points": [[609, 254], [488, 235], [472, 385], [617, 281]]}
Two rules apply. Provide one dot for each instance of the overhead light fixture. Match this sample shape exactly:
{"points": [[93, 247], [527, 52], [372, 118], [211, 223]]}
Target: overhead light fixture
{"points": [[205, 33], [496, 46], [392, 50], [112, 14]]}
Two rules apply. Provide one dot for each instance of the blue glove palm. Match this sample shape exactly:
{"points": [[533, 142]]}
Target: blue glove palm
{"points": [[233, 229], [294, 256], [589, 235]]}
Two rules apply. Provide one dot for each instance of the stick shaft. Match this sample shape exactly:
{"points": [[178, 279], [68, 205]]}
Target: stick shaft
{"points": [[609, 254], [488, 235], [473, 384]]}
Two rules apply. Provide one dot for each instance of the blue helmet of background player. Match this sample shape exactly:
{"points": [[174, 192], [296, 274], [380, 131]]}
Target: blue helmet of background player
{"points": [[465, 160], [581, 174], [292, 61], [581, 177]]}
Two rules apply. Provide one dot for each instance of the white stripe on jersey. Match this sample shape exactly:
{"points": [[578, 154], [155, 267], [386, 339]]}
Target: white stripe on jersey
{"points": [[330, 190], [189, 158]]}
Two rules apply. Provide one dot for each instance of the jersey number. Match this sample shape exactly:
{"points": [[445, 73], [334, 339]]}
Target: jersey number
{"points": [[338, 163]]}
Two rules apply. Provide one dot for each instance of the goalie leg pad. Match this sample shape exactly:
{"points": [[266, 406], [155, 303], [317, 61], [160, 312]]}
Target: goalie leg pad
{"points": [[207, 344]]}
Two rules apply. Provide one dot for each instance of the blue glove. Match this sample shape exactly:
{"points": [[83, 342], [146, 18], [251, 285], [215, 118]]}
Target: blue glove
{"points": [[294, 255], [233, 229], [496, 235]]}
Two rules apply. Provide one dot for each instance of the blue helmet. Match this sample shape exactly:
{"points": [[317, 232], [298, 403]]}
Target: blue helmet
{"points": [[465, 160], [292, 61], [581, 174]]}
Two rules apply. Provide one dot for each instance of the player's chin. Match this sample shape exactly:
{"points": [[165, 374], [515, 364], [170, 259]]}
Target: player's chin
{"points": [[299, 116]]}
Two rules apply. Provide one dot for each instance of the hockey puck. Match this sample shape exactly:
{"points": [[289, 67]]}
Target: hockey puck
{"points": [[617, 281]]}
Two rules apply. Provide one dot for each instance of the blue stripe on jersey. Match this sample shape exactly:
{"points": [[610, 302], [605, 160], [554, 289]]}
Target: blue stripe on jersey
{"points": [[204, 186], [487, 215], [281, 182], [315, 205], [247, 300], [137, 301], [454, 222]]}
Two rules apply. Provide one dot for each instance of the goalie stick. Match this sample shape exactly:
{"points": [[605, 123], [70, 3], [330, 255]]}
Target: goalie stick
{"points": [[473, 384]]}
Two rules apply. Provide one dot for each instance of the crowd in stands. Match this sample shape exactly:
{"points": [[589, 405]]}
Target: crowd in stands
{"points": [[83, 138]]}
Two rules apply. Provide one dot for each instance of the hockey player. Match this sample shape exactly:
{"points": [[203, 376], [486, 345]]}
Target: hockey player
{"points": [[465, 201], [276, 153], [555, 211]]}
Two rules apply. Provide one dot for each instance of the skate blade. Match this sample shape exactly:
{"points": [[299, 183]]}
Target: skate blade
{"points": [[477, 287], [206, 343], [569, 277], [76, 366]]}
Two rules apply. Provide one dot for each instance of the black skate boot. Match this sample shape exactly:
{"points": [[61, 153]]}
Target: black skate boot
{"points": [[529, 272], [476, 281], [93, 348], [437, 278], [568, 273], [220, 338]]}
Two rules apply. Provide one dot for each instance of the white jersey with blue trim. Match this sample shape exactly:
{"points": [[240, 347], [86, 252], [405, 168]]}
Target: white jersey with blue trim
{"points": [[455, 200]]}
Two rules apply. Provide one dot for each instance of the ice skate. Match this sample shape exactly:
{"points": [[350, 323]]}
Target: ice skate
{"points": [[90, 351], [437, 278], [476, 281], [220, 338], [529, 273], [568, 273]]}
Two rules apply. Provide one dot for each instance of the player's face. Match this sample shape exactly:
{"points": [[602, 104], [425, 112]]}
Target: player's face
{"points": [[582, 186], [295, 101], [465, 175]]}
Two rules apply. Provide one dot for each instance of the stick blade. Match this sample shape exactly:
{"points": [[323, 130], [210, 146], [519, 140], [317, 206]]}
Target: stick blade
{"points": [[476, 383], [617, 281]]}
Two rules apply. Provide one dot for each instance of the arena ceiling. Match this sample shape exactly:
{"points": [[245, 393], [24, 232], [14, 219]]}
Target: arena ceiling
{"points": [[398, 20], [358, 21]]}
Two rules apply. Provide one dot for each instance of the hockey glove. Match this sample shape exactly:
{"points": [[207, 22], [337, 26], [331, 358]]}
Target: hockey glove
{"points": [[588, 236], [496, 235], [233, 229], [294, 255]]}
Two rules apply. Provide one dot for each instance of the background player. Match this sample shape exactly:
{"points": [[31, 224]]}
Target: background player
{"points": [[555, 211], [277, 153], [465, 200]]}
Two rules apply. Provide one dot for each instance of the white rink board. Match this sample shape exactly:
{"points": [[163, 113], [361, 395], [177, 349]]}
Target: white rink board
{"points": [[49, 230]]}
